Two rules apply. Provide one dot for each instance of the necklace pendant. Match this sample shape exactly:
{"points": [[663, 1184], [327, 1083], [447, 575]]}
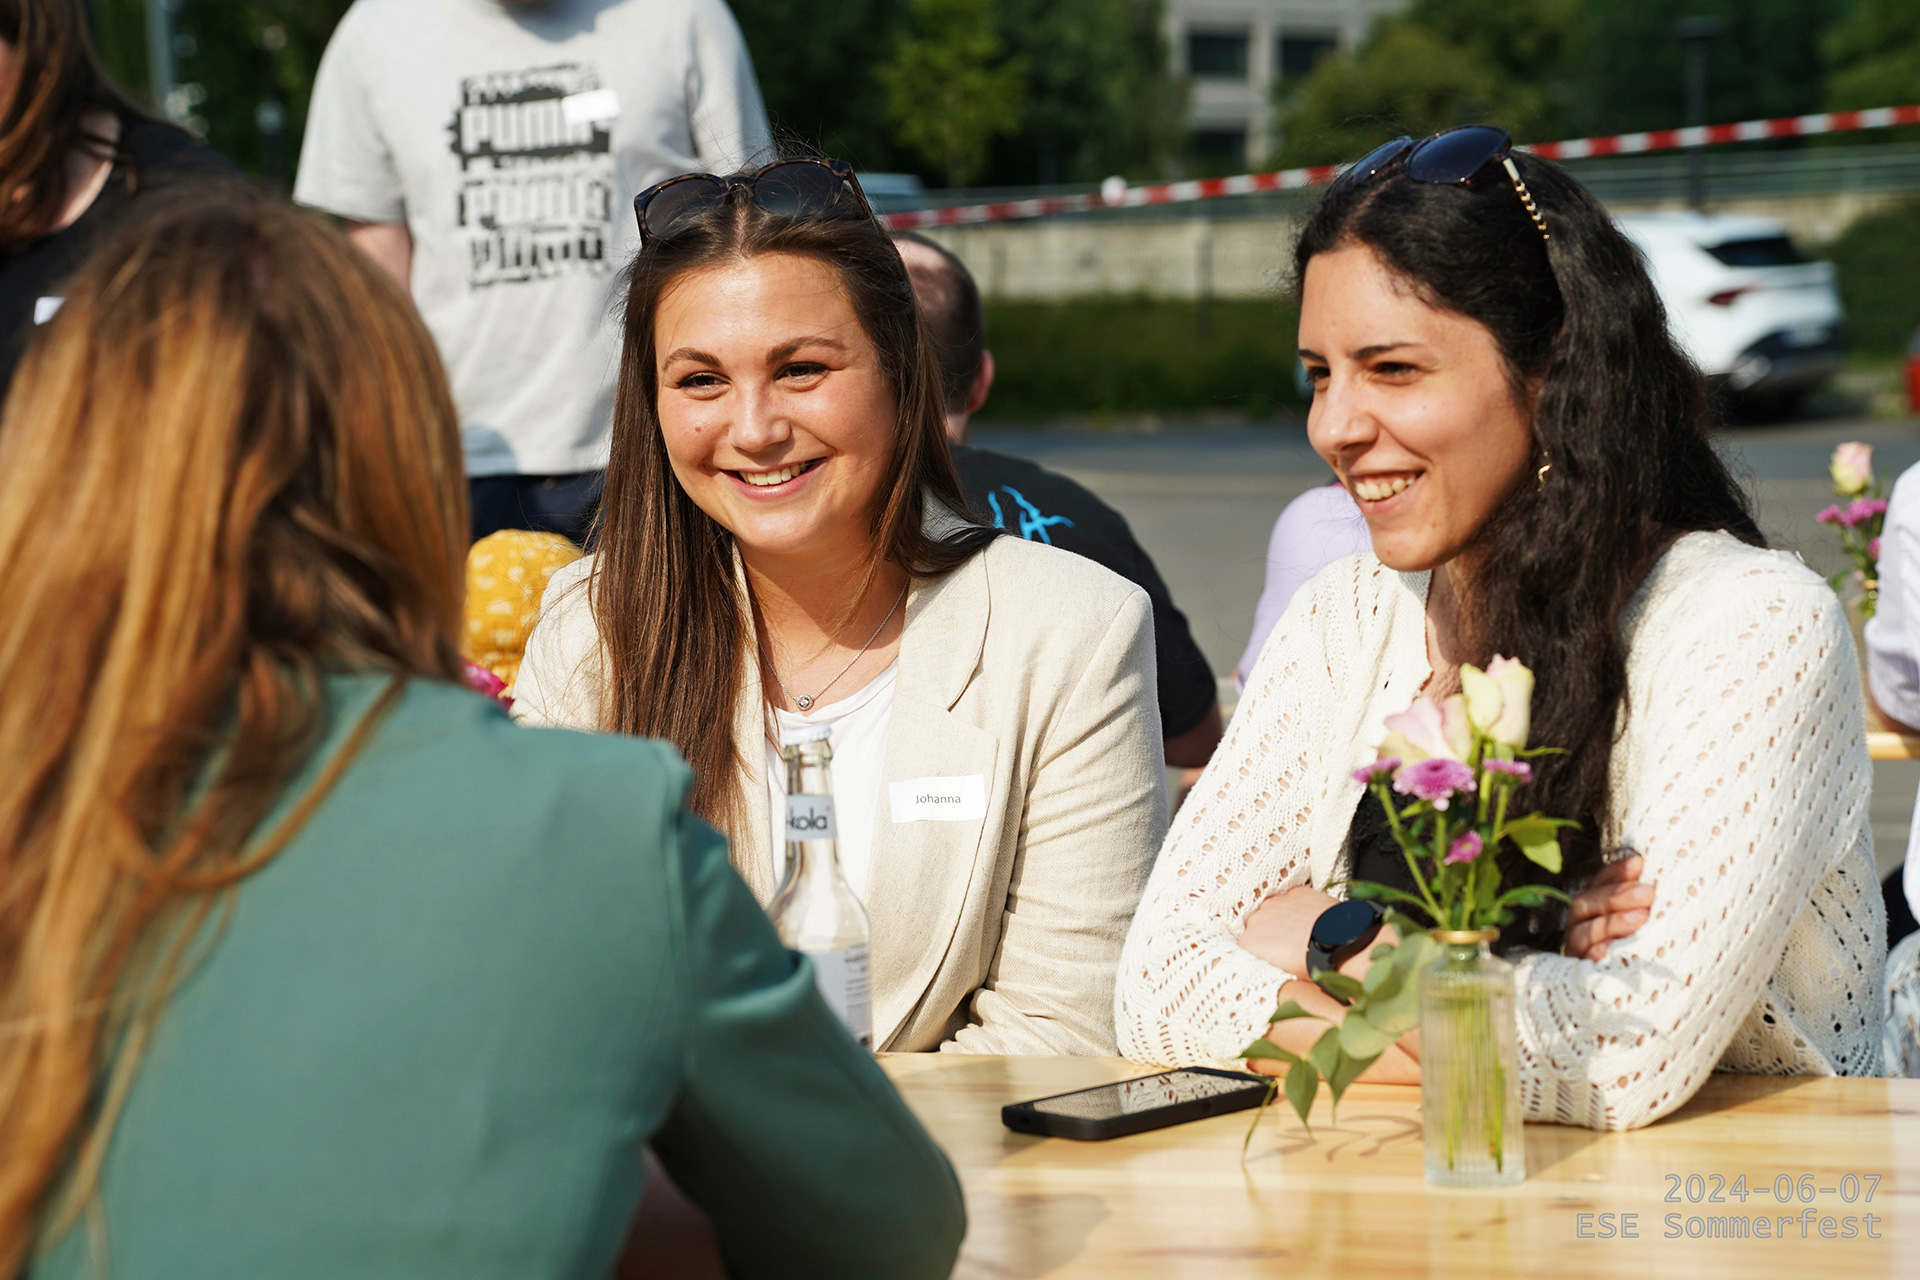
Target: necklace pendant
{"points": [[804, 702]]}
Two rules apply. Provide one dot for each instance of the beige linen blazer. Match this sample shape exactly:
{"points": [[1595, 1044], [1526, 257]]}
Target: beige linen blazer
{"points": [[1034, 668]]}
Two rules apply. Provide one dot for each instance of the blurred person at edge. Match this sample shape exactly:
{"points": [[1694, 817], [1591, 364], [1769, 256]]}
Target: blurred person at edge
{"points": [[1892, 638], [1320, 526], [1040, 505], [1530, 451], [76, 157], [293, 987], [485, 151], [782, 546]]}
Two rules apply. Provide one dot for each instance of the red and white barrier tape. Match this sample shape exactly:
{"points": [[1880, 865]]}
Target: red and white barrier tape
{"points": [[1117, 195]]}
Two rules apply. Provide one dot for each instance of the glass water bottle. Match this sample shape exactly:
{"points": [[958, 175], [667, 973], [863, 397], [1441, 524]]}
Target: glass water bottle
{"points": [[815, 912]]}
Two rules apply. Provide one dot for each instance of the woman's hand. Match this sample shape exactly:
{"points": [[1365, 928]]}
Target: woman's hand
{"points": [[1279, 927], [1614, 905]]}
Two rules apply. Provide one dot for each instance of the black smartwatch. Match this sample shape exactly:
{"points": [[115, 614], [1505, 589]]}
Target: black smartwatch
{"points": [[1342, 932]]}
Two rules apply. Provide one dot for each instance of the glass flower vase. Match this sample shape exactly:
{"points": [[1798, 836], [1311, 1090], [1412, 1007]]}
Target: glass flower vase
{"points": [[1469, 1090]]}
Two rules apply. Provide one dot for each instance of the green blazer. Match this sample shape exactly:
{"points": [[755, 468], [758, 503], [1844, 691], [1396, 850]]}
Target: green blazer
{"points": [[435, 1033]]}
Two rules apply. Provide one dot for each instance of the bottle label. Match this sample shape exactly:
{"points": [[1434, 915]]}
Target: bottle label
{"points": [[845, 979], [810, 818]]}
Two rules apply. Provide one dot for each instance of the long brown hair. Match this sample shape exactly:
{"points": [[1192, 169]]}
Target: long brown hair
{"points": [[229, 466], [1622, 460], [673, 621], [61, 80]]}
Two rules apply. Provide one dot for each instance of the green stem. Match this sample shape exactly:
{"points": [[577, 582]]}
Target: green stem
{"points": [[1400, 838]]}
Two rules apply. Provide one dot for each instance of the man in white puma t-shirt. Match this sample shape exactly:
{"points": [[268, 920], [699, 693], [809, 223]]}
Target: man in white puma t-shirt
{"points": [[488, 153]]}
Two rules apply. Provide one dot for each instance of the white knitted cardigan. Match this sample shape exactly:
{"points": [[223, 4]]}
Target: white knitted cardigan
{"points": [[1740, 775]]}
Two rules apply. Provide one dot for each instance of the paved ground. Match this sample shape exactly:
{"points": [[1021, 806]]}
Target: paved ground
{"points": [[1202, 502]]}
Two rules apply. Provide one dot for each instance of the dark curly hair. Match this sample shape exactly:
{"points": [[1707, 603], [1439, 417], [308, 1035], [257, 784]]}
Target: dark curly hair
{"points": [[1618, 410]]}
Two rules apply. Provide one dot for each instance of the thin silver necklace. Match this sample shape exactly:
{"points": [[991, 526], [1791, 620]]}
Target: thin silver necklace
{"points": [[805, 701]]}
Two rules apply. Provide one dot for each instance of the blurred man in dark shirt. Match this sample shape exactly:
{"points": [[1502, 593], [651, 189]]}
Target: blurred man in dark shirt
{"points": [[1044, 506]]}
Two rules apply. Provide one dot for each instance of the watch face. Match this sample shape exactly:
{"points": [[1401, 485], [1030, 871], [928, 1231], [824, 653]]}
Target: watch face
{"points": [[1342, 923]]}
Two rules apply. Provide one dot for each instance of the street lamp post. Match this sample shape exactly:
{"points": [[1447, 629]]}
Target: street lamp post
{"points": [[1697, 34], [160, 53]]}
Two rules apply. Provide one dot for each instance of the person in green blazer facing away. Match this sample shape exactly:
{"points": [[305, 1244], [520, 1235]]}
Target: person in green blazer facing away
{"points": [[311, 963]]}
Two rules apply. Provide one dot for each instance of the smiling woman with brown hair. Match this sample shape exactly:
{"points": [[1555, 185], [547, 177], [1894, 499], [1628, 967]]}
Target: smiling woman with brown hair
{"points": [[784, 548], [1495, 384], [287, 990]]}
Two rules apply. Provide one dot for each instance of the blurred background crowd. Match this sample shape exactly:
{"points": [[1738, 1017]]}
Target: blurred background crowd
{"points": [[995, 94]]}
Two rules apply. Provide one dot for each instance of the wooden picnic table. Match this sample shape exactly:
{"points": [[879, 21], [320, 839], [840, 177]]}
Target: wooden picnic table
{"points": [[1349, 1201]]}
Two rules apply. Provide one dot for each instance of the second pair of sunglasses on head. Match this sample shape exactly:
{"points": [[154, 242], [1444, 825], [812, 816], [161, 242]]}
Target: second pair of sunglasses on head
{"points": [[789, 188], [1452, 157]]}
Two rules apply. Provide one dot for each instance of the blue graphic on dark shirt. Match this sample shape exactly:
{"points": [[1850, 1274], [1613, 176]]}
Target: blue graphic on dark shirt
{"points": [[1032, 524]]}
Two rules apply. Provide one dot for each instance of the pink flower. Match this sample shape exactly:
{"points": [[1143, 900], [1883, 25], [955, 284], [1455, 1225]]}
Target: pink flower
{"points": [[1466, 848], [1511, 768], [1368, 774], [1852, 468], [1861, 510], [1832, 515], [1873, 548], [1429, 730], [1435, 780], [481, 680]]}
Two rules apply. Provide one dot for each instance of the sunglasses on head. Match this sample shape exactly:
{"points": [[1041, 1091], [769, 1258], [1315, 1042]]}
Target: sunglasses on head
{"points": [[789, 188], [1452, 157]]}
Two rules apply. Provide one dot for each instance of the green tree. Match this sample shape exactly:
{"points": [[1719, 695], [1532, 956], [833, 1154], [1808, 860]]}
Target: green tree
{"points": [[818, 66], [237, 62], [1404, 79], [1877, 262], [1629, 71], [1100, 95], [951, 89], [1875, 55]]}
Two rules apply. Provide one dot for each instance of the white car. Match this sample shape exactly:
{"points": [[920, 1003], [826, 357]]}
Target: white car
{"points": [[1761, 319]]}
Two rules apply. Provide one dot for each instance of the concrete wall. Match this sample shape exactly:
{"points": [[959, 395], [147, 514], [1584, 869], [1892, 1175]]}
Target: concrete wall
{"points": [[1053, 259]]}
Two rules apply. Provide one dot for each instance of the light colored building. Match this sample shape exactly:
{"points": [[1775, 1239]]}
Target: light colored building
{"points": [[1237, 53]]}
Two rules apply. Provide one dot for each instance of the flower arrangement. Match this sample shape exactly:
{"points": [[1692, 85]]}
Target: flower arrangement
{"points": [[1858, 520], [1446, 774]]}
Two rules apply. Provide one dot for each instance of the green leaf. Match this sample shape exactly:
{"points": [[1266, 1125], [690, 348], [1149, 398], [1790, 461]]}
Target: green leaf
{"points": [[1265, 1048], [1302, 1083], [1291, 1010], [1530, 895], [1345, 1072], [1360, 1038], [1339, 985], [1380, 970], [1535, 836], [1325, 1054], [1368, 891], [1394, 1006]]}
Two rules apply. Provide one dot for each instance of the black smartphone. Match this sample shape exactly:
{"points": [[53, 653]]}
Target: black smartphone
{"points": [[1134, 1106]]}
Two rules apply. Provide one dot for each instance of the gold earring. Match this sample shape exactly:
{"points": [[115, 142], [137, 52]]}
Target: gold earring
{"points": [[1540, 476]]}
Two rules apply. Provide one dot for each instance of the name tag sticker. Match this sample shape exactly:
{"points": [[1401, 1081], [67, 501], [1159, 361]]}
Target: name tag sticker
{"points": [[589, 107], [960, 798], [44, 309]]}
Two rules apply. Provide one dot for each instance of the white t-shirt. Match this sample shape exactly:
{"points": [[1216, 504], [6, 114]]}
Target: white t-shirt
{"points": [[512, 141], [859, 743]]}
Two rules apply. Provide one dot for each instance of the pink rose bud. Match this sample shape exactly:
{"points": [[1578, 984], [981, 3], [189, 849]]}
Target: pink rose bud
{"points": [[1852, 468]]}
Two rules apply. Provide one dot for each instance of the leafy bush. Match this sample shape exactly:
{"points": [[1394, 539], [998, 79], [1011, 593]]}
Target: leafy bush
{"points": [[1878, 263], [1138, 355]]}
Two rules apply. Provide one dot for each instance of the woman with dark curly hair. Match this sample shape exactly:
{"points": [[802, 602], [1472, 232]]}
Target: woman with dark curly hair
{"points": [[1495, 383]]}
